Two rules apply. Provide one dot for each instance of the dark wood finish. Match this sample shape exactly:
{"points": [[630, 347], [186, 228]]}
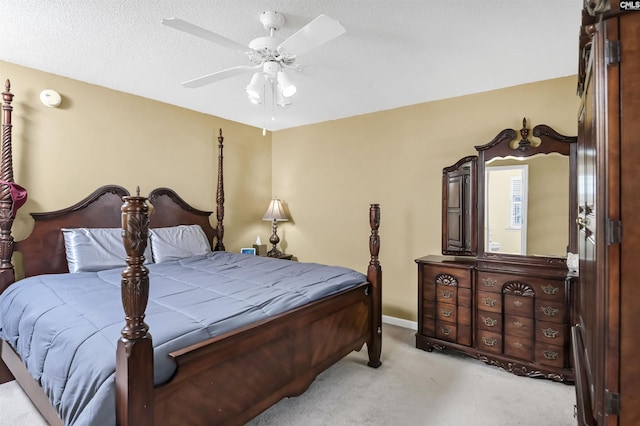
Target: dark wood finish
{"points": [[45, 244], [507, 310], [134, 353], [459, 208], [509, 315], [220, 197], [171, 210], [604, 336], [7, 214]]}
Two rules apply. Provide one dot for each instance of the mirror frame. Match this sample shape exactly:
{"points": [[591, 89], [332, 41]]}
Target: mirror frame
{"points": [[501, 146]]}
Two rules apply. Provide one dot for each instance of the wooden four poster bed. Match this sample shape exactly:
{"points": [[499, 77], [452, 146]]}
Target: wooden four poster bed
{"points": [[225, 379]]}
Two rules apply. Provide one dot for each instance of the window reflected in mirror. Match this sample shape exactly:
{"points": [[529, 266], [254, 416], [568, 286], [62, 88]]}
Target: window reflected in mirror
{"points": [[527, 205]]}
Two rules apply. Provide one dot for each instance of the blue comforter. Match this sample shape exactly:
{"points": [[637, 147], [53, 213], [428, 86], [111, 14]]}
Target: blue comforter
{"points": [[65, 326]]}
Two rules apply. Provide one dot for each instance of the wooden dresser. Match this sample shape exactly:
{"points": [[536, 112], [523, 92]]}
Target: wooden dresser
{"points": [[510, 315], [494, 295]]}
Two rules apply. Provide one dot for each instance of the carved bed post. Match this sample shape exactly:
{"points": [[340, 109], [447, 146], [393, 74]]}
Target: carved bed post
{"points": [[134, 356], [374, 276], [220, 198], [7, 273]]}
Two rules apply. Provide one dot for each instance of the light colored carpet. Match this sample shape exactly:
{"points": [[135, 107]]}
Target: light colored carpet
{"points": [[412, 387]]}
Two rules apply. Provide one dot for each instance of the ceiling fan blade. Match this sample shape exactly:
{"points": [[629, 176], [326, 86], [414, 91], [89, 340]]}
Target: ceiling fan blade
{"points": [[197, 31], [217, 76], [319, 31]]}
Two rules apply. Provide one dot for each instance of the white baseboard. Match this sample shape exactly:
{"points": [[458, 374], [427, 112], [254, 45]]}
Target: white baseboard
{"points": [[400, 322]]}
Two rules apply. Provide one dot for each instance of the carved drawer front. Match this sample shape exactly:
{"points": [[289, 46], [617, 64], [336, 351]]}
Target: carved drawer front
{"points": [[491, 302], [446, 331], [519, 326], [518, 347], [447, 312], [551, 355], [489, 341], [429, 309], [437, 274], [518, 305], [489, 282], [548, 289], [550, 311], [489, 321], [446, 294], [552, 333]]}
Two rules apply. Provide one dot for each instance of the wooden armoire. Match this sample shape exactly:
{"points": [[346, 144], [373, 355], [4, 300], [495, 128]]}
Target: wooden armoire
{"points": [[606, 336]]}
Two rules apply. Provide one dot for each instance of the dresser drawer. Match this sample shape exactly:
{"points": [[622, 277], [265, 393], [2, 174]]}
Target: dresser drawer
{"points": [[548, 289], [518, 347], [445, 275], [446, 331], [518, 305], [551, 333], [447, 312], [489, 282], [519, 326], [550, 311], [446, 294], [551, 355], [489, 341], [490, 321], [491, 302]]}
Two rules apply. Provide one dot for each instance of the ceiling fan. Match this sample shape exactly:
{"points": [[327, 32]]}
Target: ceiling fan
{"points": [[270, 55]]}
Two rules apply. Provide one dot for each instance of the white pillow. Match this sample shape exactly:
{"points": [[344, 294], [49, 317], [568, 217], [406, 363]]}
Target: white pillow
{"points": [[178, 242], [96, 249]]}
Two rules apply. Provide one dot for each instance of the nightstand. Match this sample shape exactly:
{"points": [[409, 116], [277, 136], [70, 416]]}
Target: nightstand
{"points": [[282, 256]]}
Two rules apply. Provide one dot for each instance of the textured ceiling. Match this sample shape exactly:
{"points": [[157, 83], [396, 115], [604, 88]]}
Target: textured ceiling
{"points": [[394, 53]]}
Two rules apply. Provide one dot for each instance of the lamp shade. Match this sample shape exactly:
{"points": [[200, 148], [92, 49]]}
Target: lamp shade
{"points": [[287, 87], [254, 88], [275, 212]]}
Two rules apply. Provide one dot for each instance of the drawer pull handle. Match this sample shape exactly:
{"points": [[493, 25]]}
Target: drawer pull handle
{"points": [[445, 330], [446, 313], [446, 294], [488, 321], [489, 341], [549, 310], [489, 282], [549, 289], [488, 301], [517, 303], [550, 333], [518, 324], [550, 354], [518, 345]]}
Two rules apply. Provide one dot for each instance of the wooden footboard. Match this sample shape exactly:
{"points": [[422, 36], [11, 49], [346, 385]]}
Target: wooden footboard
{"points": [[234, 377]]}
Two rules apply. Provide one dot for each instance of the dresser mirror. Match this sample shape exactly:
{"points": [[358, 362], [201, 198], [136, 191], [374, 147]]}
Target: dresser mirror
{"points": [[513, 198], [524, 195]]}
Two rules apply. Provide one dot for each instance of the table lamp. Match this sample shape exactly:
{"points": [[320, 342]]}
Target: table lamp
{"points": [[275, 213]]}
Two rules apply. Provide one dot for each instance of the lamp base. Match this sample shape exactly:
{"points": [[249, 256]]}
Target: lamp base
{"points": [[274, 252]]}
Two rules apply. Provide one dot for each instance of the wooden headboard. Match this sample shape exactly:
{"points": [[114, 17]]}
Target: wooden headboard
{"points": [[44, 251]]}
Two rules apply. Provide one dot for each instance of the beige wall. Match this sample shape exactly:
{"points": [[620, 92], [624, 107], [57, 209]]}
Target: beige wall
{"points": [[327, 174], [100, 136]]}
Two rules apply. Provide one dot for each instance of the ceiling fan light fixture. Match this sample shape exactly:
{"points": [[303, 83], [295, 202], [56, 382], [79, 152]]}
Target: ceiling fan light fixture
{"points": [[286, 86], [281, 101], [254, 88]]}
